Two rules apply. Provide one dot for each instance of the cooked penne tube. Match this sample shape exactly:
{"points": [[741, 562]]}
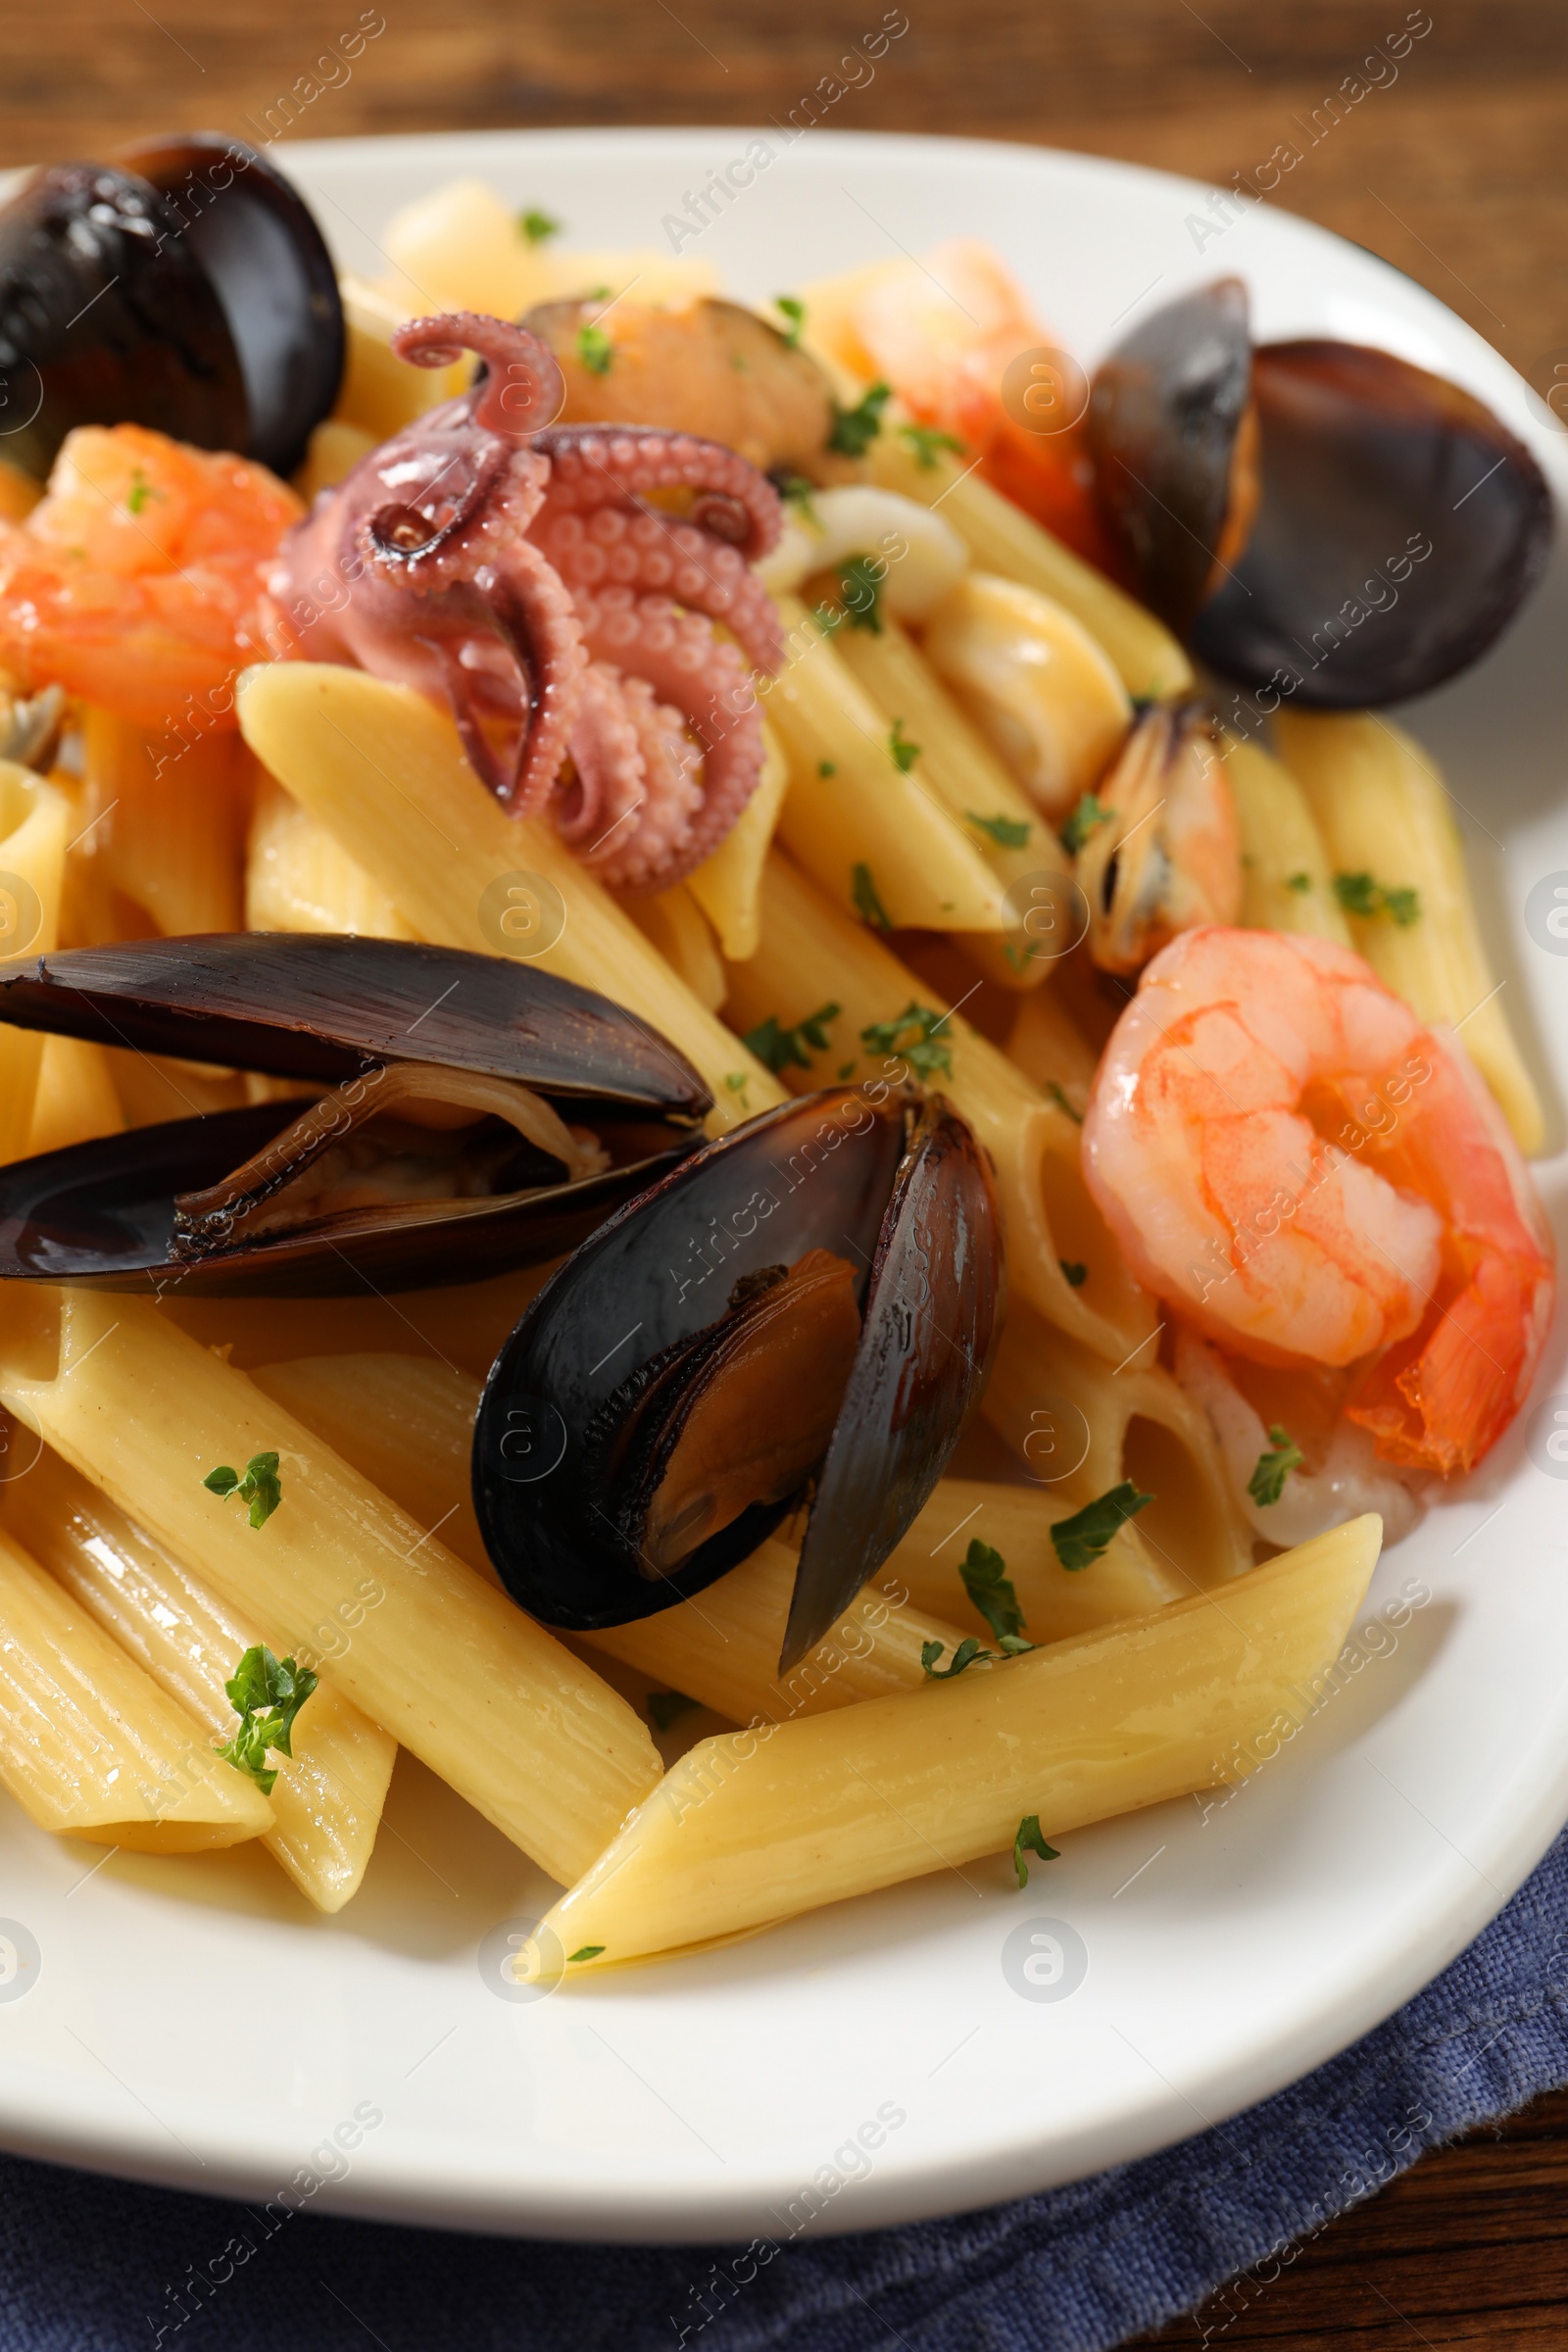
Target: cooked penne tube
{"points": [[676, 925], [326, 1800], [813, 957], [34, 819], [1001, 538], [333, 451], [338, 1575], [91, 1746], [383, 770], [299, 877], [1384, 811], [379, 392], [1128, 1580], [462, 1325], [727, 885], [1049, 1048], [859, 814], [755, 1826], [1068, 1416], [162, 824], [1286, 879], [75, 1096]]}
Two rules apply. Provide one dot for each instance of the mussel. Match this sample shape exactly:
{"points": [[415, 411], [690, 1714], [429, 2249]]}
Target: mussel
{"points": [[182, 284], [808, 1304], [431, 1145], [1315, 518]]}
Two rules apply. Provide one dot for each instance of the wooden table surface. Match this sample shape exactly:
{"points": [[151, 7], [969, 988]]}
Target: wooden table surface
{"points": [[1454, 171]]}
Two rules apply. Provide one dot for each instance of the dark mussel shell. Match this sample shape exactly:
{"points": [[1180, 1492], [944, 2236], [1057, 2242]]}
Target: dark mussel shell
{"points": [[902, 1192], [327, 1011], [1382, 536], [182, 285]]}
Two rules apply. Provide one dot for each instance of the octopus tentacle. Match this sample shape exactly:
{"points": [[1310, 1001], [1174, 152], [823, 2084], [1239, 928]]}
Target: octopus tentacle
{"points": [[631, 812], [523, 389], [598, 465], [660, 557]]}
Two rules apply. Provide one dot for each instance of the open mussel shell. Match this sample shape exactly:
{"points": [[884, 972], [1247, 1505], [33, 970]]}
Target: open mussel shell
{"points": [[182, 284], [809, 1303], [1326, 521], [385, 1027]]}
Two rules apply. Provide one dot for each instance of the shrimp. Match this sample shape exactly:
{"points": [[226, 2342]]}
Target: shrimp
{"points": [[136, 582], [1307, 1174]]}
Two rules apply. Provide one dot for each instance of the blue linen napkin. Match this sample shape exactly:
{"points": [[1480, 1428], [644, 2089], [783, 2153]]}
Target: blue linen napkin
{"points": [[94, 2266]]}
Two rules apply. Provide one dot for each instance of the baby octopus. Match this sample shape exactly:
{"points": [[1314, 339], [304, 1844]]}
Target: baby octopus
{"points": [[559, 586]]}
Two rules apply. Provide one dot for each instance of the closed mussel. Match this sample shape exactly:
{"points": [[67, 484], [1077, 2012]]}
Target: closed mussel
{"points": [[446, 1116], [1315, 518], [805, 1309]]}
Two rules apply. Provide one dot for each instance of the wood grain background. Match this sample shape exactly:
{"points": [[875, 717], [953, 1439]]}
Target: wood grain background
{"points": [[1454, 171]]}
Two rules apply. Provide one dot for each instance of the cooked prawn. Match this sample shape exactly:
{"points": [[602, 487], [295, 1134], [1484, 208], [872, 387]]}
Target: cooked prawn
{"points": [[1307, 1174], [135, 581]]}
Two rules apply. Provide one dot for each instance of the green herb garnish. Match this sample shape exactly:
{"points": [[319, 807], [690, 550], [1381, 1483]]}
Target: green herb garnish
{"points": [[984, 1573], [1062, 1103], [537, 227], [589, 1951], [1359, 893], [1074, 1272], [783, 1048], [847, 1070], [595, 349], [799, 492], [260, 1486], [905, 753], [967, 1652], [855, 429], [794, 311], [265, 1693], [1302, 882], [140, 491], [1267, 1482], [913, 1038], [1029, 1840], [860, 592], [925, 440], [1008, 832], [1086, 818], [868, 905], [665, 1705], [828, 767], [1080, 1540], [737, 1082]]}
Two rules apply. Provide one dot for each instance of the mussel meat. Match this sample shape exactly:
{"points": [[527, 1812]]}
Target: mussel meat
{"points": [[182, 284], [1315, 518], [431, 1144], [811, 1303], [1166, 852]]}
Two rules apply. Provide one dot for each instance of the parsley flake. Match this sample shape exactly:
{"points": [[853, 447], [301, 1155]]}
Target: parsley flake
{"points": [[537, 227], [799, 492], [1074, 1272], [855, 429], [828, 767], [1062, 1103], [260, 1486], [736, 1081], [1359, 893], [985, 1578], [1080, 1540], [860, 591], [1029, 1840], [868, 905], [783, 1048], [1299, 882], [1008, 832], [140, 491], [905, 753], [588, 1951], [1086, 818], [925, 440], [595, 349], [794, 311], [913, 1036], [665, 1705], [848, 1071], [967, 1652], [1274, 1466], [265, 1693]]}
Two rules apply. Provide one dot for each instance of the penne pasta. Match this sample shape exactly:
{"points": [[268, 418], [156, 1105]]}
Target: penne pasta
{"points": [[674, 923], [299, 877], [1286, 880], [326, 1800], [162, 829], [338, 1576], [1049, 1048], [1001, 538], [757, 1826], [859, 815], [383, 770], [727, 885], [813, 957], [1128, 1580], [461, 1326], [1386, 817], [34, 820], [91, 1746], [75, 1096], [381, 393]]}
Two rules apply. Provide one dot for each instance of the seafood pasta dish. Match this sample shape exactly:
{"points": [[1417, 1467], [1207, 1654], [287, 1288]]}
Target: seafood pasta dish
{"points": [[746, 1081]]}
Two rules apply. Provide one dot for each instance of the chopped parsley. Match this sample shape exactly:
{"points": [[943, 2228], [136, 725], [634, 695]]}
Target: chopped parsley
{"points": [[539, 227], [855, 429], [794, 311], [1086, 818], [925, 440], [736, 1081], [985, 1576], [905, 753], [848, 1071], [260, 1486], [1274, 1466], [1029, 1840], [662, 1707], [868, 905], [595, 349], [1301, 882], [860, 592], [913, 1036], [588, 1951], [783, 1048], [1062, 1103], [967, 1652], [265, 1693], [1074, 1272], [140, 491], [828, 767], [1080, 1540], [1359, 893], [799, 492], [1008, 832]]}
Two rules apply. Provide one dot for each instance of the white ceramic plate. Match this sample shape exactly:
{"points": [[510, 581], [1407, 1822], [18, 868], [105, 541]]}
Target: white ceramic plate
{"points": [[197, 2025]]}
